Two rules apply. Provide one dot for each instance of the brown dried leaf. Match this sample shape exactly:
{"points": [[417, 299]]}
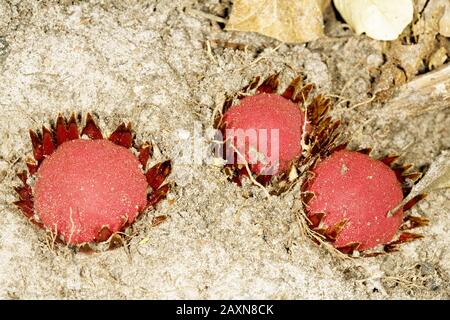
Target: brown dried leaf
{"points": [[444, 22], [285, 20], [437, 177]]}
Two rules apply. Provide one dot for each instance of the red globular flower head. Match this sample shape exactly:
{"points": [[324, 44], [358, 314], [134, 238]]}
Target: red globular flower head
{"points": [[265, 131], [357, 191], [353, 199], [88, 190]]}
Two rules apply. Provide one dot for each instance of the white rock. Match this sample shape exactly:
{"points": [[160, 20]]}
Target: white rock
{"points": [[379, 19]]}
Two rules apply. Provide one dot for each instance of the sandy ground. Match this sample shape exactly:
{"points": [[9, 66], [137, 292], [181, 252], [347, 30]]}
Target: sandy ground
{"points": [[147, 62]]}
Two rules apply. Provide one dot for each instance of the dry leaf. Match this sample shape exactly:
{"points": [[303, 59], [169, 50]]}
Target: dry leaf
{"points": [[444, 23], [438, 58], [437, 177], [286, 20], [379, 19]]}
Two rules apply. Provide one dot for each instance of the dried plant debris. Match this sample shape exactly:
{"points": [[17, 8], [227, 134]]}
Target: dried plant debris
{"points": [[419, 49], [437, 177], [288, 21], [423, 93], [379, 19], [438, 58], [424, 277]]}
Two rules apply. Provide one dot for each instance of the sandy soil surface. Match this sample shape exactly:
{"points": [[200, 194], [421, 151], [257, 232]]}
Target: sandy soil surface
{"points": [[148, 62]]}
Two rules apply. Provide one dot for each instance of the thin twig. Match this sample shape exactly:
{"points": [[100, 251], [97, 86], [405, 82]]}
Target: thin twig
{"points": [[205, 15], [250, 174], [209, 51], [362, 103]]}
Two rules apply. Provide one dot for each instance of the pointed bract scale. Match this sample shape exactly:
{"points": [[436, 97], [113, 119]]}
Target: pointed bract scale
{"points": [[122, 136], [91, 129], [157, 195], [349, 248], [389, 248], [321, 141], [32, 167], [26, 206], [303, 94], [414, 176], [85, 248], [292, 89], [38, 150], [237, 180], [307, 196], [323, 126], [365, 151], [158, 220], [333, 232], [317, 108], [104, 234], [372, 254], [47, 142], [270, 85], [389, 160], [252, 85], [145, 153], [400, 171], [24, 192], [72, 131], [61, 132], [412, 222], [406, 237], [158, 173], [406, 191], [263, 179], [321, 105], [23, 176], [116, 241], [315, 219]]}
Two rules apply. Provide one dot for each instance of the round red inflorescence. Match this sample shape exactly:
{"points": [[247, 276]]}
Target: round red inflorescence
{"points": [[352, 186], [86, 185], [271, 112]]}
